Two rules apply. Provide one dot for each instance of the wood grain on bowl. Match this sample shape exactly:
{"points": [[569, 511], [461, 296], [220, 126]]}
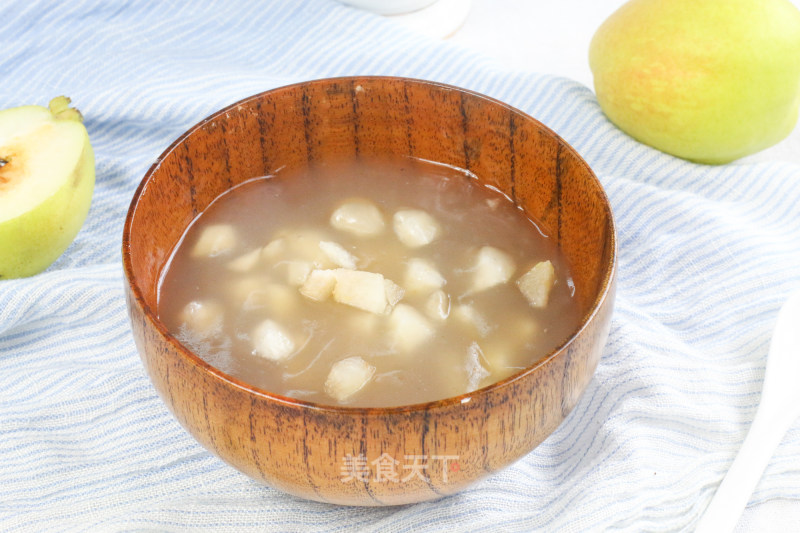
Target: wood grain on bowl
{"points": [[339, 454]]}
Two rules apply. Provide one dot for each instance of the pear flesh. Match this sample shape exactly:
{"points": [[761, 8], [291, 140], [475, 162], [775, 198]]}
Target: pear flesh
{"points": [[47, 177]]}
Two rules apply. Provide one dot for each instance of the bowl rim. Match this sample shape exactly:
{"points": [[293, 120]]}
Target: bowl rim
{"points": [[152, 317]]}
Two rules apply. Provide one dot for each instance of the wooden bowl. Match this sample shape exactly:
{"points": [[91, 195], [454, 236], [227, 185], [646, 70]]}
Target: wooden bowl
{"points": [[330, 453]]}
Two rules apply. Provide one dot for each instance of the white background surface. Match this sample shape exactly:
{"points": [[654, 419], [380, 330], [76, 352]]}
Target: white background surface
{"points": [[553, 37]]}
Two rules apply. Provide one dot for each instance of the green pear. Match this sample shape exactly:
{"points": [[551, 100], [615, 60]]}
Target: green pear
{"points": [[46, 183], [706, 80]]}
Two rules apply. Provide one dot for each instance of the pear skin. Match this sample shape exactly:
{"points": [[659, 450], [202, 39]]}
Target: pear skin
{"points": [[710, 81]]}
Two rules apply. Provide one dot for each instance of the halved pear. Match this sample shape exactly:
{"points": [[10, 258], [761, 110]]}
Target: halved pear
{"points": [[46, 184]]}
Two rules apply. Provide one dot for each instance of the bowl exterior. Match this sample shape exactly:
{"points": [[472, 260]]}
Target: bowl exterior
{"points": [[383, 456], [335, 455]]}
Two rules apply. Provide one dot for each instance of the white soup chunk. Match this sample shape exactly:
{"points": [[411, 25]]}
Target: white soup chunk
{"points": [[319, 285], [422, 276], [272, 342], [275, 297], [471, 316], [415, 227], [364, 290], [437, 306], [216, 239], [476, 372], [492, 267], [302, 244], [338, 254], [347, 377], [537, 282], [274, 249], [298, 271], [203, 317], [394, 293], [410, 329], [359, 217], [245, 262]]}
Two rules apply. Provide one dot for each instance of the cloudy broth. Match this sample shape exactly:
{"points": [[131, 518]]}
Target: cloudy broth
{"points": [[367, 283]]}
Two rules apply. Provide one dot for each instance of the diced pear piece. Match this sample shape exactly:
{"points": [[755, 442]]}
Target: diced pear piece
{"points": [[298, 271], [537, 282], [203, 317], [216, 239], [241, 286], [303, 244], [274, 249], [281, 299], [338, 254], [499, 353], [415, 227], [261, 292], [359, 217], [503, 356], [347, 377], [394, 292], [272, 342], [245, 262], [526, 329], [437, 306], [410, 329], [364, 290], [319, 285], [275, 297], [422, 276], [469, 315], [475, 369], [492, 267]]}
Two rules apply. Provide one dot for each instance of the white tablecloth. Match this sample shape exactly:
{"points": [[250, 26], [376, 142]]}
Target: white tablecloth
{"points": [[707, 255]]}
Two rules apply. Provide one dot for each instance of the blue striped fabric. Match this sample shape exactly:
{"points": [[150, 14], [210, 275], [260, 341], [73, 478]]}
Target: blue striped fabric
{"points": [[707, 254]]}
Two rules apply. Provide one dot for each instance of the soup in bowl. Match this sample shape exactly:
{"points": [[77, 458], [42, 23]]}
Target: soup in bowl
{"points": [[370, 290]]}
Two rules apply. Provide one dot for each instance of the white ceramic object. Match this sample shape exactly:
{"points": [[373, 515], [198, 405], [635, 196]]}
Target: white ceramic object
{"points": [[439, 20], [389, 7], [777, 411]]}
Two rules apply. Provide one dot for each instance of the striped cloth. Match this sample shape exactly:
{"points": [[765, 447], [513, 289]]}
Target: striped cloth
{"points": [[707, 255]]}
